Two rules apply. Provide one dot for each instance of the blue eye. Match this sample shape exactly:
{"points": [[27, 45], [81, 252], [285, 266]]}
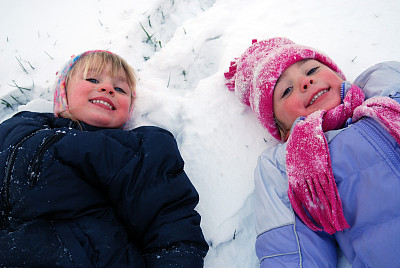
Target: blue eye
{"points": [[92, 80], [310, 72], [119, 90], [287, 91]]}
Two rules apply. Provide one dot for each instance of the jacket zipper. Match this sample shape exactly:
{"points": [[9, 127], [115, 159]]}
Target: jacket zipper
{"points": [[5, 196], [34, 167], [32, 170], [383, 143]]}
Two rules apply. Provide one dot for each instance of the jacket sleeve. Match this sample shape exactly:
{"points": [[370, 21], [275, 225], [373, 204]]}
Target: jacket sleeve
{"points": [[282, 239], [150, 192]]}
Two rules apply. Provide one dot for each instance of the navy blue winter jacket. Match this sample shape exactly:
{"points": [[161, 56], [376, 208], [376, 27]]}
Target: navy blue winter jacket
{"points": [[73, 195]]}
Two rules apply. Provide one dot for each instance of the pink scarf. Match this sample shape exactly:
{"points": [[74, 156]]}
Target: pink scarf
{"points": [[312, 187]]}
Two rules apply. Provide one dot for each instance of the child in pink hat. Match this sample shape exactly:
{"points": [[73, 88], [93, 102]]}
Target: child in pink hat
{"points": [[333, 181], [77, 190]]}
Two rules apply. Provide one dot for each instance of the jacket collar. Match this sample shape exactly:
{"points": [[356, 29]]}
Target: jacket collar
{"points": [[65, 122]]}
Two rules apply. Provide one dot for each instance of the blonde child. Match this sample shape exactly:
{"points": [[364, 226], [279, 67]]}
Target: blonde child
{"points": [[79, 191], [334, 180]]}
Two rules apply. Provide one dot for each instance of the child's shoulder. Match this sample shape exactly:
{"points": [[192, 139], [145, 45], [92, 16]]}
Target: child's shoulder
{"points": [[27, 119], [32, 115], [382, 79], [151, 130], [146, 137], [154, 136], [142, 133], [383, 69]]}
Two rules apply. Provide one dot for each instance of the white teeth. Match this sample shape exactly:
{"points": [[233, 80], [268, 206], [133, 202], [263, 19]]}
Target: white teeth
{"points": [[317, 96], [102, 102]]}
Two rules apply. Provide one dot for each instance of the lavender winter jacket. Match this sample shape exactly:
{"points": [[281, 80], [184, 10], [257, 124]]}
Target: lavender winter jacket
{"points": [[366, 165]]}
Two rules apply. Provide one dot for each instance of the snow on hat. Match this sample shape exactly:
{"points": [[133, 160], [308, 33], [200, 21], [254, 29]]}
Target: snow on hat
{"points": [[60, 94], [254, 74]]}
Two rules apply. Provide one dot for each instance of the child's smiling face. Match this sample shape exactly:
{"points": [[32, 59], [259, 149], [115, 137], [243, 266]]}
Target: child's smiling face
{"points": [[100, 100], [303, 88]]}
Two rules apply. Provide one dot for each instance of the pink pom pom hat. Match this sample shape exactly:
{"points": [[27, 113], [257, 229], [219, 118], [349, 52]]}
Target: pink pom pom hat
{"points": [[254, 74]]}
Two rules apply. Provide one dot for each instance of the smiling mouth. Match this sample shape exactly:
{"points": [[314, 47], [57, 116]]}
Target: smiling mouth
{"points": [[104, 103], [317, 96]]}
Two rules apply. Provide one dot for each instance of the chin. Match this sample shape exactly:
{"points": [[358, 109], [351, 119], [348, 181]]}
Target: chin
{"points": [[100, 122]]}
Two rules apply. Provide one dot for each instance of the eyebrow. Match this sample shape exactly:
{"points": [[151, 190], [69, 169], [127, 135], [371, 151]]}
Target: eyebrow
{"points": [[280, 77], [121, 78], [300, 63]]}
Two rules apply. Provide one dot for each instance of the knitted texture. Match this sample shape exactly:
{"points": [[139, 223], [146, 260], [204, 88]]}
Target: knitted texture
{"points": [[312, 187], [384, 110], [254, 74]]}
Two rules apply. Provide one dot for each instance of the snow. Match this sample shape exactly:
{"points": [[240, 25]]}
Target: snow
{"points": [[181, 83]]}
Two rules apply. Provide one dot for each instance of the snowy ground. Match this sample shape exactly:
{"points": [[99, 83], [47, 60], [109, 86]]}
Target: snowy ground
{"points": [[180, 49]]}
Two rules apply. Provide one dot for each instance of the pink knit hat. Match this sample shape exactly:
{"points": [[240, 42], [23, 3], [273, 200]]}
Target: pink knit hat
{"points": [[254, 74]]}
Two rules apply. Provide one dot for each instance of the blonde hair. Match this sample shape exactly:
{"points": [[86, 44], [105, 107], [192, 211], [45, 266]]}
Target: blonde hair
{"points": [[97, 61], [282, 128]]}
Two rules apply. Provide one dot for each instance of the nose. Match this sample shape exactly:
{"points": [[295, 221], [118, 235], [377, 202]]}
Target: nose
{"points": [[306, 84], [108, 89]]}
